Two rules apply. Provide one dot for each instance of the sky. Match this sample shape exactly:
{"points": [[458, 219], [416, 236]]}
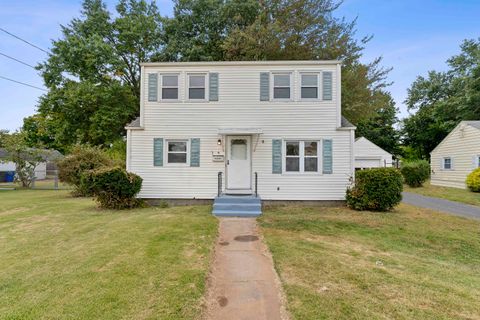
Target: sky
{"points": [[412, 36]]}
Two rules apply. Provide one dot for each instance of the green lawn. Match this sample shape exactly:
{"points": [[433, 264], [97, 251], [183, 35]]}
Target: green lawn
{"points": [[62, 258], [454, 194], [336, 263]]}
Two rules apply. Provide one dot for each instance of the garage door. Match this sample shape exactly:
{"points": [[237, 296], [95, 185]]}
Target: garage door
{"points": [[368, 163]]}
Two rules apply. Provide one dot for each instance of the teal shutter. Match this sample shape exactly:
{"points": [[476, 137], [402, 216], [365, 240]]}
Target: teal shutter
{"points": [[152, 87], [327, 156], [327, 85], [277, 156], [158, 152], [195, 152], [213, 86], [264, 86]]}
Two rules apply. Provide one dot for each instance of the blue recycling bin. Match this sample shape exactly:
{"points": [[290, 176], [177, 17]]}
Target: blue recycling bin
{"points": [[9, 176]]}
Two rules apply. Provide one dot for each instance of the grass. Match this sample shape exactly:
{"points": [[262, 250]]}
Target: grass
{"points": [[47, 184], [413, 263], [62, 258], [453, 194]]}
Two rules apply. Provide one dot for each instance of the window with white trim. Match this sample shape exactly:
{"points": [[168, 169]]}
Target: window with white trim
{"points": [[197, 86], [281, 86], [177, 151], [447, 163], [169, 83], [309, 86], [302, 156]]}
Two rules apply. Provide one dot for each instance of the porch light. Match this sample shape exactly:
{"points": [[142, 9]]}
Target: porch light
{"points": [[219, 142]]}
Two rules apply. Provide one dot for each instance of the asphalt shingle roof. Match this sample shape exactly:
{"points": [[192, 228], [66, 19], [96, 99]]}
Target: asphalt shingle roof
{"points": [[134, 124]]}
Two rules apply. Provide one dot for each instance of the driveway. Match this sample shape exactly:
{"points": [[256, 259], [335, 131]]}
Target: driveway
{"points": [[452, 207]]}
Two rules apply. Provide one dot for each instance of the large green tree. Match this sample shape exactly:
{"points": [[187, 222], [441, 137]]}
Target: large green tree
{"points": [[279, 30], [93, 71], [441, 100], [93, 74], [380, 128]]}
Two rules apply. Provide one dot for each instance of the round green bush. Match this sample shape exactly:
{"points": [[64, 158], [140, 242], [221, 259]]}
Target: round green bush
{"points": [[415, 173], [80, 160], [378, 189], [473, 180], [114, 188]]}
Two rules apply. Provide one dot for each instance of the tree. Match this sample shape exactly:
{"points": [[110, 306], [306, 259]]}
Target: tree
{"points": [[443, 99], [26, 159], [279, 30], [380, 128], [93, 74]]}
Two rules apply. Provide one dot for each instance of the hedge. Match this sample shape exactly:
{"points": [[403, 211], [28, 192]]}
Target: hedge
{"points": [[473, 180], [415, 173], [378, 189]]}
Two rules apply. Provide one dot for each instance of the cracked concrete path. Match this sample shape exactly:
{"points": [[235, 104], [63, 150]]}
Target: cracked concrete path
{"points": [[243, 283]]}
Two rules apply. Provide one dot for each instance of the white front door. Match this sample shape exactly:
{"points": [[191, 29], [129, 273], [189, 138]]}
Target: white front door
{"points": [[238, 162]]}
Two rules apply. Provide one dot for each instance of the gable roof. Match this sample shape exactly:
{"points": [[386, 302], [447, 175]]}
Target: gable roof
{"points": [[472, 123], [346, 124], [371, 143], [134, 124], [475, 124]]}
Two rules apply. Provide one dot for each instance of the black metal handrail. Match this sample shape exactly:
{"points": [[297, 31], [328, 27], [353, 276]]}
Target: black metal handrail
{"points": [[256, 185], [219, 191]]}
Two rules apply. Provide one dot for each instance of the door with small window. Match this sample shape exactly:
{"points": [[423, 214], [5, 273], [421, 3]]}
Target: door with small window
{"points": [[238, 163]]}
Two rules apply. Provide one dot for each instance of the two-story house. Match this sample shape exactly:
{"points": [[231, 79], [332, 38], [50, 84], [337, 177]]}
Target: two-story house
{"points": [[241, 130]]}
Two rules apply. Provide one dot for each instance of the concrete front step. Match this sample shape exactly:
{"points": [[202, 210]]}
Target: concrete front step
{"points": [[237, 206]]}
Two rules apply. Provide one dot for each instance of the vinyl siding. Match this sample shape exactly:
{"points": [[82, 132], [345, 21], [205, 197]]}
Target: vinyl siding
{"points": [[461, 148], [366, 153], [239, 106]]}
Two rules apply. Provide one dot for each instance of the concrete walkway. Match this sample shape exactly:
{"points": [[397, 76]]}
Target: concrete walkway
{"points": [[452, 207], [243, 283]]}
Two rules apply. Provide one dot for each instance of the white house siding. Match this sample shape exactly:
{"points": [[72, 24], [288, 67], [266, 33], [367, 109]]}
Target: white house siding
{"points": [[239, 106], [369, 155], [462, 148]]}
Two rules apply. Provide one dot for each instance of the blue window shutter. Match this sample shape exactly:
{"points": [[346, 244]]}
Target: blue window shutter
{"points": [[213, 86], [264, 86], [195, 152], [276, 156], [158, 152], [327, 156], [327, 85], [152, 87]]}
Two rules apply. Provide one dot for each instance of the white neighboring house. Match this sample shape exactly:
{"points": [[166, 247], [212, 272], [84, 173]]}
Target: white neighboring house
{"points": [[41, 168], [279, 121], [456, 156], [369, 155]]}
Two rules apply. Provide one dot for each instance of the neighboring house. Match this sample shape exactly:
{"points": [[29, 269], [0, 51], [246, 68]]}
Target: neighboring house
{"points": [[369, 155], [48, 156], [456, 156], [208, 128]]}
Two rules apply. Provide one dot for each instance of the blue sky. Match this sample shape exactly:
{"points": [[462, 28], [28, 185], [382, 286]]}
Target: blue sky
{"points": [[413, 37]]}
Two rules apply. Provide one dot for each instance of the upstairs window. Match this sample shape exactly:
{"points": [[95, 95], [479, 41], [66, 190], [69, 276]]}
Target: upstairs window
{"points": [[281, 86], [309, 86], [177, 151], [447, 163], [196, 86], [169, 87]]}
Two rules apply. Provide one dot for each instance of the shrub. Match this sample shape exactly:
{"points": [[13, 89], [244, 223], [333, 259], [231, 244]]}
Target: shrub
{"points": [[114, 188], [415, 173], [82, 159], [378, 189], [473, 180]]}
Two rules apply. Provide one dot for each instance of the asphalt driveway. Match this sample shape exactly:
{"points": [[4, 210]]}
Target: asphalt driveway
{"points": [[452, 207]]}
